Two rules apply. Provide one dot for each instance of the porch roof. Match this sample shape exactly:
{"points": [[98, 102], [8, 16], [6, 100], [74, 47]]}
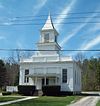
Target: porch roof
{"points": [[43, 75]]}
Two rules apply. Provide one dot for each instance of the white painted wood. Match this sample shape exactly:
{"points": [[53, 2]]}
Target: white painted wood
{"points": [[49, 64]]}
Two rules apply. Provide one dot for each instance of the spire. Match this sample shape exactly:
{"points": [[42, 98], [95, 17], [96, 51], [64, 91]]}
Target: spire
{"points": [[48, 25]]}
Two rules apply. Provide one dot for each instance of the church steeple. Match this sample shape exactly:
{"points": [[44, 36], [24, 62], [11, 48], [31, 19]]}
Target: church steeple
{"points": [[49, 25], [48, 39]]}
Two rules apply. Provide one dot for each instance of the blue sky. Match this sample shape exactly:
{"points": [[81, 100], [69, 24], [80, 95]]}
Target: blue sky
{"points": [[71, 36]]}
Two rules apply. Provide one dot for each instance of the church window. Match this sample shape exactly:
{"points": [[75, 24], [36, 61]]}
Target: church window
{"points": [[55, 38], [64, 75], [46, 37], [26, 79], [75, 77]]}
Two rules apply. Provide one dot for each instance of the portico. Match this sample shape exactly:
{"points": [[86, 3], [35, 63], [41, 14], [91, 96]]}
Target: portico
{"points": [[40, 80]]}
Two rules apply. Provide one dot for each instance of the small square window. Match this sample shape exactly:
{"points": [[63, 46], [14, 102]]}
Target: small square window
{"points": [[46, 37]]}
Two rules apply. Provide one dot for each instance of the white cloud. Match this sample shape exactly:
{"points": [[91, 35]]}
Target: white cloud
{"points": [[63, 14], [7, 23], [68, 37], [2, 37], [86, 46], [91, 43], [38, 6], [96, 27], [1, 6]]}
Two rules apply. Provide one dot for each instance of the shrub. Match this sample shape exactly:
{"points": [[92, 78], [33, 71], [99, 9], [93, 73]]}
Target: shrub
{"points": [[51, 90], [6, 93], [27, 90]]}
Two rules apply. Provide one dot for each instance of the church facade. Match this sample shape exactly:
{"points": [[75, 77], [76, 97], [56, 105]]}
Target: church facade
{"points": [[48, 67]]}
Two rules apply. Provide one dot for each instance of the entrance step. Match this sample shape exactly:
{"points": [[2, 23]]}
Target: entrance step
{"points": [[38, 93]]}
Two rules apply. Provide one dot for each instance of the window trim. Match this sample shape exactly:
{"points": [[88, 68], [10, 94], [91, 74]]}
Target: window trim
{"points": [[26, 79], [64, 76]]}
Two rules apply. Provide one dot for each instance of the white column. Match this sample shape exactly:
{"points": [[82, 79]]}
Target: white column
{"points": [[45, 80], [36, 82], [56, 80], [33, 80]]}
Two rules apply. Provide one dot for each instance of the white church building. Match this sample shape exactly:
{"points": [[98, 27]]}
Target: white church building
{"points": [[48, 67]]}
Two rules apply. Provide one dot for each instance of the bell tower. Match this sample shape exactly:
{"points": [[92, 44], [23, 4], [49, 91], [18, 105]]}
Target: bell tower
{"points": [[48, 39]]}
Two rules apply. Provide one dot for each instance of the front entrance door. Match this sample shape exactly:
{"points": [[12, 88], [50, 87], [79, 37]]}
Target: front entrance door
{"points": [[45, 82], [39, 85]]}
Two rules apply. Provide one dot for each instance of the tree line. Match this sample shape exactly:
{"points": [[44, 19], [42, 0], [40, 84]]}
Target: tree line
{"points": [[9, 69], [9, 73], [90, 72]]}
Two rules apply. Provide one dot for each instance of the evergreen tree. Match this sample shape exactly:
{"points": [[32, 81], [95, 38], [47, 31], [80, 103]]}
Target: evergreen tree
{"points": [[2, 74]]}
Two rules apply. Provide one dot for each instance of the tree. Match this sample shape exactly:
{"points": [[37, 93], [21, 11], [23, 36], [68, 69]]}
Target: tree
{"points": [[90, 71], [12, 71], [12, 66], [98, 75], [2, 74], [91, 74], [79, 58]]}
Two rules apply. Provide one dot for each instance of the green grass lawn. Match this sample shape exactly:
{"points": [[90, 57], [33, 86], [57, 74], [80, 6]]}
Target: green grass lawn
{"points": [[98, 104], [5, 99], [47, 101]]}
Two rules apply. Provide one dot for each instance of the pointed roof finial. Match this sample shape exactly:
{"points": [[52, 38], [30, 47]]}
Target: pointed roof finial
{"points": [[49, 14], [48, 24]]}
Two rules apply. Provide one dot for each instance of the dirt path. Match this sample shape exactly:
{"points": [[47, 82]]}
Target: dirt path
{"points": [[87, 101]]}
